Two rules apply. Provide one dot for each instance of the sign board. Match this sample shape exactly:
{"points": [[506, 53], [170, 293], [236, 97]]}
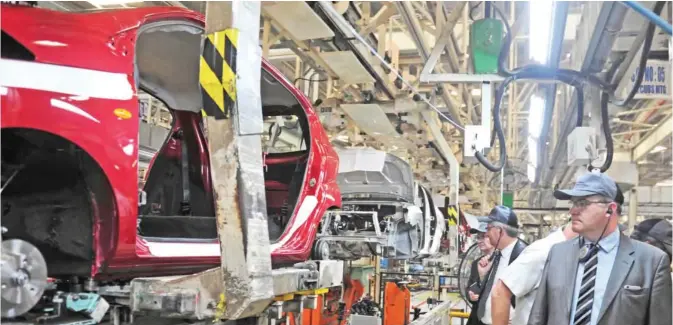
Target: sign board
{"points": [[655, 83]]}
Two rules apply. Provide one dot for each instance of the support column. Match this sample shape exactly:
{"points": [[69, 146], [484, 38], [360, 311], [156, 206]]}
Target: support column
{"points": [[633, 209], [230, 78]]}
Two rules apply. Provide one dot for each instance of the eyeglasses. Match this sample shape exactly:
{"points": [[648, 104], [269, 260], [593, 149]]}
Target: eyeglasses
{"points": [[583, 203], [489, 227]]}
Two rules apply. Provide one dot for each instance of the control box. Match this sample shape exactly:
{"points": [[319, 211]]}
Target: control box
{"points": [[582, 146], [476, 137]]}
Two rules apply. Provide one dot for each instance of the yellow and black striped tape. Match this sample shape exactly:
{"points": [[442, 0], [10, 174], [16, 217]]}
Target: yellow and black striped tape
{"points": [[453, 215], [218, 74]]}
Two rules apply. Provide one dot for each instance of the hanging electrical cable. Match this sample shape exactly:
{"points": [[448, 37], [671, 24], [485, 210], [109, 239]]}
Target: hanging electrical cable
{"points": [[573, 78]]}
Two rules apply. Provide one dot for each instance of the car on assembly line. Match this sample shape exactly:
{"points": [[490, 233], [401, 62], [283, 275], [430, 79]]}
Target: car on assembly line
{"points": [[385, 211], [69, 88]]}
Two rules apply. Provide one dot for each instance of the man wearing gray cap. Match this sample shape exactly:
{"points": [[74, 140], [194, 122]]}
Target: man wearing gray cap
{"points": [[601, 277], [474, 285], [502, 231]]}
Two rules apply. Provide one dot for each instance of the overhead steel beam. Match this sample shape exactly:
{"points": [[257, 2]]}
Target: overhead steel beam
{"points": [[461, 78], [416, 33], [608, 24], [336, 22], [663, 130], [445, 20], [406, 105]]}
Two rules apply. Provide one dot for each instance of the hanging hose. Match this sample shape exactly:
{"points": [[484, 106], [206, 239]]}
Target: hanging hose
{"points": [[498, 130], [570, 77], [609, 145]]}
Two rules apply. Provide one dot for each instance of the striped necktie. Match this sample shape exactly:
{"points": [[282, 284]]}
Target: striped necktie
{"points": [[585, 299]]}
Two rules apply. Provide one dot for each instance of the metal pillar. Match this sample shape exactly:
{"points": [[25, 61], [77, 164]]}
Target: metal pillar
{"points": [[445, 150], [235, 149], [633, 209]]}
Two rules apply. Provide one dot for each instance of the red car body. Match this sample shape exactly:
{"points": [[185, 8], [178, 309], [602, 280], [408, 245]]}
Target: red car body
{"points": [[107, 129]]}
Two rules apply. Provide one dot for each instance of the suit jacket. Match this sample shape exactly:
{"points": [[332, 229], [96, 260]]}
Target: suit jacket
{"points": [[638, 290], [474, 278], [516, 251]]}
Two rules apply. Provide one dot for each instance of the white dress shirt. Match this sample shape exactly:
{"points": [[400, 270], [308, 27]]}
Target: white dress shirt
{"points": [[523, 276], [506, 253]]}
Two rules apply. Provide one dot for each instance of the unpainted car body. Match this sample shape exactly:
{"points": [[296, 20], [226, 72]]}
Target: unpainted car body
{"points": [[384, 210]]}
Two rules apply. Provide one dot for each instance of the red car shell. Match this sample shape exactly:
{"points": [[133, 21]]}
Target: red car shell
{"points": [[105, 125]]}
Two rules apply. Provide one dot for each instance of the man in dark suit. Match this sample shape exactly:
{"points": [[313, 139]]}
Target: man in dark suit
{"points": [[502, 230], [473, 285], [656, 232], [602, 277]]}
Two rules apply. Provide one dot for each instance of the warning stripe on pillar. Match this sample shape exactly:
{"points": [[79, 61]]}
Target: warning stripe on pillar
{"points": [[217, 74], [453, 215]]}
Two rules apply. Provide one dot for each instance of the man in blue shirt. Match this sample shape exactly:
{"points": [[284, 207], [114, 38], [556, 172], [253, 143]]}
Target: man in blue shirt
{"points": [[603, 277]]}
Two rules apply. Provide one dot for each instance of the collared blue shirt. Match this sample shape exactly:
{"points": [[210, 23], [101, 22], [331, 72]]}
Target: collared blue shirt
{"points": [[606, 259]]}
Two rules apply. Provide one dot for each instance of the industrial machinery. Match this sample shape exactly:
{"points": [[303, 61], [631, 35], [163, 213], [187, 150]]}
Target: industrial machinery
{"points": [[384, 211]]}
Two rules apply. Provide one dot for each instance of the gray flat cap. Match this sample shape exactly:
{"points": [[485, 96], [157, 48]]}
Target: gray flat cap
{"points": [[590, 184]]}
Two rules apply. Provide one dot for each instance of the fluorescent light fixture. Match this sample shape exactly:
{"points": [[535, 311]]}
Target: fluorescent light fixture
{"points": [[535, 116], [532, 151], [658, 149], [540, 26], [531, 173]]}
